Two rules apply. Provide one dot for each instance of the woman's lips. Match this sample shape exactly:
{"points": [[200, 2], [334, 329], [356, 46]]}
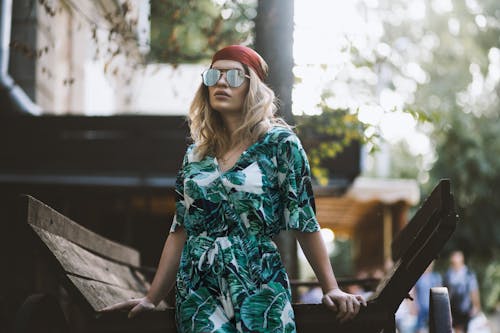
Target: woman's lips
{"points": [[221, 94]]}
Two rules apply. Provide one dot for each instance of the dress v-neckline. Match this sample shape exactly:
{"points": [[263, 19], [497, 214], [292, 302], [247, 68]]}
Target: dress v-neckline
{"points": [[217, 165], [238, 160]]}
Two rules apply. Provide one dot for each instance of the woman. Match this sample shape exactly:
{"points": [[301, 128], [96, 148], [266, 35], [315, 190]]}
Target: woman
{"points": [[245, 179]]}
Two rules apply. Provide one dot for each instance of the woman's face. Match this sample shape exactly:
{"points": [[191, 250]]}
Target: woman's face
{"points": [[222, 97]]}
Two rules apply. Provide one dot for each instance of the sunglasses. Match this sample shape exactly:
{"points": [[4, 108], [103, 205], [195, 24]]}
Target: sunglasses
{"points": [[234, 77]]}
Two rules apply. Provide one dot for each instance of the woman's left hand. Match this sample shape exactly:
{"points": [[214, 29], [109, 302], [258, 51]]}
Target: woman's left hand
{"points": [[346, 305]]}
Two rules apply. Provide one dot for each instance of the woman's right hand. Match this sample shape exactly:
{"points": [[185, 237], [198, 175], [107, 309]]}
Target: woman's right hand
{"points": [[135, 305], [346, 305]]}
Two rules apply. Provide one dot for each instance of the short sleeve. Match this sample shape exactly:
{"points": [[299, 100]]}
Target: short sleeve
{"points": [[472, 280], [180, 206], [294, 176]]}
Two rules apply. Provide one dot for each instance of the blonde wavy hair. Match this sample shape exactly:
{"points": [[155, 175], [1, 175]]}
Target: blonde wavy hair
{"points": [[207, 128]]}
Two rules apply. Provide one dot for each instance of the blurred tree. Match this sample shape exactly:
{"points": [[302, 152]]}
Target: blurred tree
{"points": [[191, 31], [181, 31], [468, 152], [373, 78], [274, 41], [443, 58], [462, 94], [341, 257], [338, 129], [403, 163], [451, 50]]}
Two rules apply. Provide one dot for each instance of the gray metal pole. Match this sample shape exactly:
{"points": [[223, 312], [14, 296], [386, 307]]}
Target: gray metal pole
{"points": [[19, 99]]}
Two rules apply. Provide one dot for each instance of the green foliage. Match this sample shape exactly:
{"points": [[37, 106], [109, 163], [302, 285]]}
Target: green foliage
{"points": [[336, 129], [488, 275], [457, 47], [405, 164], [191, 31], [462, 95], [491, 286], [468, 150], [341, 258]]}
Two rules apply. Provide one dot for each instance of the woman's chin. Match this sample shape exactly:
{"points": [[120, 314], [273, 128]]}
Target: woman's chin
{"points": [[225, 109]]}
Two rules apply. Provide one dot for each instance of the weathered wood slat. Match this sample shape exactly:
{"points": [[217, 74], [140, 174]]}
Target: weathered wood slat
{"points": [[41, 215], [78, 261], [309, 318], [439, 200], [100, 295], [318, 319], [146, 322]]}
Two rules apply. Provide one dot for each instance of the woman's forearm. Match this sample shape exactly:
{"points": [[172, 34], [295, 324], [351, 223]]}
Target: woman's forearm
{"points": [[476, 303], [313, 246], [167, 268]]}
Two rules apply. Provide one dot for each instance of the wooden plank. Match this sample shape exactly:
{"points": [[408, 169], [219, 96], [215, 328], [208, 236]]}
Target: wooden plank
{"points": [[438, 199], [78, 261], [385, 280], [309, 318], [318, 319], [99, 295], [146, 322], [43, 216]]}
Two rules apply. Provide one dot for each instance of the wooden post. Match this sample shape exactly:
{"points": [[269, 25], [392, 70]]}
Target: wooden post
{"points": [[390, 326], [387, 231], [399, 215]]}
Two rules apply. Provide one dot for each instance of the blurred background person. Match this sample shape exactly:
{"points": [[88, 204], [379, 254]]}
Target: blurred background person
{"points": [[422, 288], [463, 290]]}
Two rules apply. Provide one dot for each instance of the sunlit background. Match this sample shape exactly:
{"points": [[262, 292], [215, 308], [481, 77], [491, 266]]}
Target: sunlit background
{"points": [[323, 38]]}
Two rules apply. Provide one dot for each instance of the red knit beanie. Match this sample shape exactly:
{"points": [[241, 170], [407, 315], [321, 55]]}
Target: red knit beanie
{"points": [[245, 55]]}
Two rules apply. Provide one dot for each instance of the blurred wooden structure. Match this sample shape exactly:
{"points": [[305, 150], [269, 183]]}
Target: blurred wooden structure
{"points": [[371, 213], [114, 174], [85, 272]]}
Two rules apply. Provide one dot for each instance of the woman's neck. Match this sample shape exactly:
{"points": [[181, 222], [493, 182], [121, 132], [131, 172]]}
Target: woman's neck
{"points": [[232, 123]]}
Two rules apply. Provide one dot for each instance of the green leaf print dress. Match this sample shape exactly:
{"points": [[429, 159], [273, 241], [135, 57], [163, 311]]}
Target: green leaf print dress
{"points": [[231, 277]]}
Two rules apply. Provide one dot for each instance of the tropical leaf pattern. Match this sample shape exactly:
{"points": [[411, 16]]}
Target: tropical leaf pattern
{"points": [[231, 277]]}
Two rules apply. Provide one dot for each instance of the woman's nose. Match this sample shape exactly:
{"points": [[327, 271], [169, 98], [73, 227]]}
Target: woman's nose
{"points": [[222, 79]]}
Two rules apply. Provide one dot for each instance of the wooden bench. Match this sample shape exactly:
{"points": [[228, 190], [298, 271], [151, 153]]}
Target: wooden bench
{"points": [[96, 272]]}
